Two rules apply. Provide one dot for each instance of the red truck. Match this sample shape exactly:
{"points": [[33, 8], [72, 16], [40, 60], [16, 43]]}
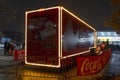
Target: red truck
{"points": [[54, 34]]}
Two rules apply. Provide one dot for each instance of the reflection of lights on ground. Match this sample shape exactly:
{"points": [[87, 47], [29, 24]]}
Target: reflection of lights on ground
{"points": [[28, 74], [37, 73]]}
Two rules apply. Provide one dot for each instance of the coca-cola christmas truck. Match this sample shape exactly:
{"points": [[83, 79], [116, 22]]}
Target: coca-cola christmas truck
{"points": [[54, 34]]}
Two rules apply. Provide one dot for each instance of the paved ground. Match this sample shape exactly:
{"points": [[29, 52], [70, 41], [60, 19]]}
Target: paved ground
{"points": [[112, 70], [114, 64], [9, 71]]}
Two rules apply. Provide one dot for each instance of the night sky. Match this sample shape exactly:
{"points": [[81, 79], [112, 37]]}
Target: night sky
{"points": [[94, 12]]}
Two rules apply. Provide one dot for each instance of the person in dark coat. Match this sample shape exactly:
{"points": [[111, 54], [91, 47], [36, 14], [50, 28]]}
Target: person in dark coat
{"points": [[6, 48]]}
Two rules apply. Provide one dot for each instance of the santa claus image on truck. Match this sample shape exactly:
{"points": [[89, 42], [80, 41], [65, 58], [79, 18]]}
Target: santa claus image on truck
{"points": [[49, 30]]}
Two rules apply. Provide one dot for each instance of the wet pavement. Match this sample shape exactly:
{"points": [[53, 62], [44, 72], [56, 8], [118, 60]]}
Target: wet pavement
{"points": [[112, 70], [114, 64], [12, 70]]}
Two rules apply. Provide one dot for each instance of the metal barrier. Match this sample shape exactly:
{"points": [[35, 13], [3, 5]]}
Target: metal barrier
{"points": [[18, 70], [7, 67], [11, 69], [30, 72], [67, 71]]}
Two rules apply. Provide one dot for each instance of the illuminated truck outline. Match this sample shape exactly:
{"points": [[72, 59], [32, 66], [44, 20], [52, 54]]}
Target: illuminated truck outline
{"points": [[60, 55]]}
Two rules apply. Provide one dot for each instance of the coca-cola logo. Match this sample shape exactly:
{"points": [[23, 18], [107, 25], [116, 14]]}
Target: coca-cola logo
{"points": [[89, 67], [92, 64]]}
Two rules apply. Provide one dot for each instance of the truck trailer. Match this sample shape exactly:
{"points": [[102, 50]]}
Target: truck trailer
{"points": [[54, 34]]}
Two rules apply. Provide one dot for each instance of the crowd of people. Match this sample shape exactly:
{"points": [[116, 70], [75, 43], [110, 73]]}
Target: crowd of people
{"points": [[9, 47]]}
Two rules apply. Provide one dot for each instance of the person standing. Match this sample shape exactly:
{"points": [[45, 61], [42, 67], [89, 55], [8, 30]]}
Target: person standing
{"points": [[11, 48], [6, 48]]}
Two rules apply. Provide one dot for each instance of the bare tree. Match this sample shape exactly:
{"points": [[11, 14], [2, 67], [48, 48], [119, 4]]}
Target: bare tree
{"points": [[114, 20]]}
